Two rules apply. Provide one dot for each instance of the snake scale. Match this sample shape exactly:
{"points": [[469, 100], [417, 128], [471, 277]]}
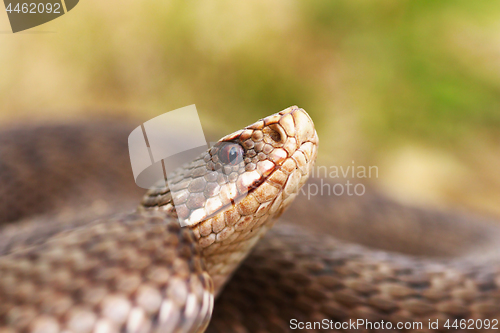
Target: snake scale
{"points": [[77, 255]]}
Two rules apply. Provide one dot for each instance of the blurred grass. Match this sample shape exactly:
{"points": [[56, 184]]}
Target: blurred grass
{"points": [[411, 86]]}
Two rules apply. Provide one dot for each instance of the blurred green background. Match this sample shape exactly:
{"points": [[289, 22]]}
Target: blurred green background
{"points": [[412, 87]]}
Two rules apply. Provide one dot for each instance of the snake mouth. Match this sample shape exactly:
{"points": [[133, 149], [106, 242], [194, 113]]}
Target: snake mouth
{"points": [[254, 169]]}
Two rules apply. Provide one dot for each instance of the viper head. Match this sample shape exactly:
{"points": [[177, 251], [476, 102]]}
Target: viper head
{"points": [[231, 194]]}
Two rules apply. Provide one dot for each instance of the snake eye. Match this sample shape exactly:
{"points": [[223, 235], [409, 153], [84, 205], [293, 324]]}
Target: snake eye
{"points": [[231, 154]]}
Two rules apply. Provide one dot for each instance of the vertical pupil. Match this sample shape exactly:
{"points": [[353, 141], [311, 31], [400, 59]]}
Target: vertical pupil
{"points": [[233, 154]]}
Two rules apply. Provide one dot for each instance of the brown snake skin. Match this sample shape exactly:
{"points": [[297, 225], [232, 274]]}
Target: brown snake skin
{"points": [[76, 261]]}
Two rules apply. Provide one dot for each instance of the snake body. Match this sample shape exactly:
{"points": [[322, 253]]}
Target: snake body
{"points": [[81, 258]]}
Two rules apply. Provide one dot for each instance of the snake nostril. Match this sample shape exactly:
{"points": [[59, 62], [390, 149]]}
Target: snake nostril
{"points": [[276, 133]]}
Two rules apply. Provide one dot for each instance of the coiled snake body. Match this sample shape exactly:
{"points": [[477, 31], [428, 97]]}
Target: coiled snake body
{"points": [[76, 261]]}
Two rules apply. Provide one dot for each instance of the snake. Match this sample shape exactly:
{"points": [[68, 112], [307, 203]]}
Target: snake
{"points": [[81, 252]]}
